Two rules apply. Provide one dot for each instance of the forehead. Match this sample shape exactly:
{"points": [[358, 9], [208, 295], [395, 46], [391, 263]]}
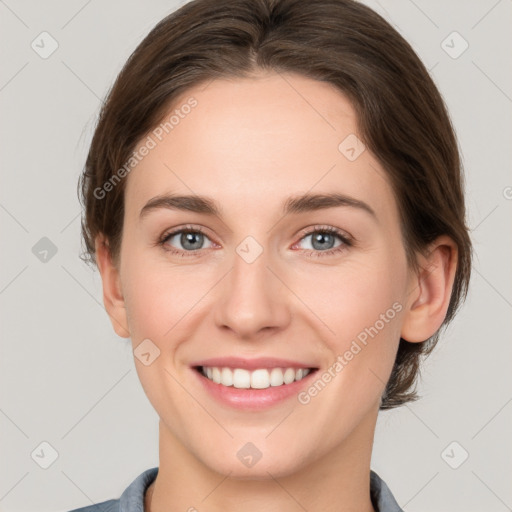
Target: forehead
{"points": [[248, 140]]}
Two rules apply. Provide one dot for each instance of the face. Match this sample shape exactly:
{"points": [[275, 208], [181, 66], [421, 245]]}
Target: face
{"points": [[275, 281]]}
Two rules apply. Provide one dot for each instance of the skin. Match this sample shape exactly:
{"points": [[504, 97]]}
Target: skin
{"points": [[249, 144]]}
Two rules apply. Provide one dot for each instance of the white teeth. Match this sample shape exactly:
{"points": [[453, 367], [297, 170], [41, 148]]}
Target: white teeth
{"points": [[260, 379], [276, 377], [226, 377], [257, 379], [241, 379], [289, 375]]}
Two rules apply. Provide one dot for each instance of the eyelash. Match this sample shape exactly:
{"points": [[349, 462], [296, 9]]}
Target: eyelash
{"points": [[346, 241]]}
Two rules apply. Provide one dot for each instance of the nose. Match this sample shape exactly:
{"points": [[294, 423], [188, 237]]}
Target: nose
{"points": [[253, 299]]}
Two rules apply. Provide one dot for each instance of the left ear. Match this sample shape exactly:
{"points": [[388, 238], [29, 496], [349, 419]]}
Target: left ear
{"points": [[430, 290]]}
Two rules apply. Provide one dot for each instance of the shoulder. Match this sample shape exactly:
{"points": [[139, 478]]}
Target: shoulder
{"points": [[382, 498], [132, 499], [104, 506]]}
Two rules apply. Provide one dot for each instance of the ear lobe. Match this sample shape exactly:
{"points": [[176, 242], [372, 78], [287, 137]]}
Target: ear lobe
{"points": [[431, 290], [113, 298]]}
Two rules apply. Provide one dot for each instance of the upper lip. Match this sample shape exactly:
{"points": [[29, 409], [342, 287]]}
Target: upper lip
{"points": [[251, 364]]}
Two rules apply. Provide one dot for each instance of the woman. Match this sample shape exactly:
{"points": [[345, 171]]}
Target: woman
{"points": [[273, 197]]}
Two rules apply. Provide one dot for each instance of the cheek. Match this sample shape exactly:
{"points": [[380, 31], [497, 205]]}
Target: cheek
{"points": [[354, 297], [361, 308], [159, 296], [160, 304]]}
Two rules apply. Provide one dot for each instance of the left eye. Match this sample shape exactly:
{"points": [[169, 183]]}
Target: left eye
{"points": [[322, 240]]}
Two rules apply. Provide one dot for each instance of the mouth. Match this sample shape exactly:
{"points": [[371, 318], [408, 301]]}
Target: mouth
{"points": [[252, 384], [259, 378]]}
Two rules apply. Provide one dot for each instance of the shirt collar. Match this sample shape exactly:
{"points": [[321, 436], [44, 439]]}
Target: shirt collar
{"points": [[132, 499]]}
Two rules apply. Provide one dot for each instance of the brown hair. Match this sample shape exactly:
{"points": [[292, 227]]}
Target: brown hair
{"points": [[401, 116]]}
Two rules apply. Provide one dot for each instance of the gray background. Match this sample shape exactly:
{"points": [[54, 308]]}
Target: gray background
{"points": [[68, 380]]}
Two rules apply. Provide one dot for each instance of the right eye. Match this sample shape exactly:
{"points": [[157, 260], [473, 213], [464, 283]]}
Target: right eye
{"points": [[190, 239]]}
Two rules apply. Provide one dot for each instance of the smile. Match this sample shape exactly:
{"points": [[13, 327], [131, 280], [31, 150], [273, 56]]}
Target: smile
{"points": [[261, 378]]}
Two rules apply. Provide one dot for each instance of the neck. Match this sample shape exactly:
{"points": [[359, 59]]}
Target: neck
{"points": [[337, 482]]}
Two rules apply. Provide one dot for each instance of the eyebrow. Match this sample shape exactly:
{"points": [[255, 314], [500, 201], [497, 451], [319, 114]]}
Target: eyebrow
{"points": [[293, 205]]}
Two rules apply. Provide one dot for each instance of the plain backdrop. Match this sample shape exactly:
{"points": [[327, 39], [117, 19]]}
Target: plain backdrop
{"points": [[67, 380]]}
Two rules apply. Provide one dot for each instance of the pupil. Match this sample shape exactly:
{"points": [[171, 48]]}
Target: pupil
{"points": [[194, 239], [321, 238]]}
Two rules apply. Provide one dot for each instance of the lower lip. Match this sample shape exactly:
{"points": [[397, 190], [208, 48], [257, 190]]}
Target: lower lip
{"points": [[254, 399]]}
